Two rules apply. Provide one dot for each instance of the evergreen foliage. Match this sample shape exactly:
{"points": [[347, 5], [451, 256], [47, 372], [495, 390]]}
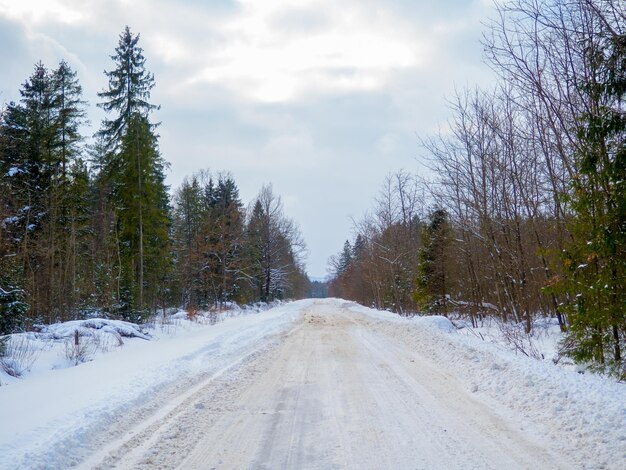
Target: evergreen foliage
{"points": [[595, 260], [141, 204], [132, 174], [128, 91], [189, 211], [40, 143], [254, 251], [70, 115], [275, 248], [222, 255], [432, 293], [13, 306], [345, 259], [88, 230]]}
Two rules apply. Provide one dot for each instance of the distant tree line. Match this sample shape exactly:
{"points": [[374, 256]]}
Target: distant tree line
{"points": [[318, 289], [527, 206], [91, 229]]}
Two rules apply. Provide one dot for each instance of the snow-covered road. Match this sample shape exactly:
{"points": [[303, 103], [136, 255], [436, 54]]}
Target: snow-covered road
{"points": [[329, 384], [337, 391], [339, 394]]}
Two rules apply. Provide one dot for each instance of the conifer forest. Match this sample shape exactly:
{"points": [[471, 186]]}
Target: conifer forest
{"points": [[91, 228]]}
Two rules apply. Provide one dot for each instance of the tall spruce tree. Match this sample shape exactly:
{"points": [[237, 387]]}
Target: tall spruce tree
{"points": [[134, 172], [254, 248], [142, 202], [70, 114], [27, 130], [345, 259], [65, 197], [128, 91]]}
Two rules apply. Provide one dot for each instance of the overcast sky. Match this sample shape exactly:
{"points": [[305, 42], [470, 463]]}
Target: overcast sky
{"points": [[322, 98]]}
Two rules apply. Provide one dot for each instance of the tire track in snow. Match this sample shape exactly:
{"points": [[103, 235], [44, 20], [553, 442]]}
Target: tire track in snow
{"points": [[135, 447], [383, 406], [338, 391]]}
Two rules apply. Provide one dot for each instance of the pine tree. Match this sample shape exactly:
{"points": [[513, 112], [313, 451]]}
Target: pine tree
{"points": [[23, 171], [275, 245], [128, 91], [345, 259], [142, 217], [70, 114], [432, 288], [41, 133], [78, 267], [358, 248], [105, 246], [13, 305], [254, 248], [26, 159], [134, 174], [595, 261], [188, 213]]}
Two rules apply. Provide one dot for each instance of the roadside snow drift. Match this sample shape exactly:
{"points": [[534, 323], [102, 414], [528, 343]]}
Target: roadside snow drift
{"points": [[51, 418], [583, 415]]}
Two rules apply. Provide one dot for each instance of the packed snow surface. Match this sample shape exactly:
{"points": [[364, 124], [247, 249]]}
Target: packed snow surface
{"points": [[52, 415], [310, 384]]}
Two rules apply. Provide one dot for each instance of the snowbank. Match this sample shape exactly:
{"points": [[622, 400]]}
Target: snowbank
{"points": [[583, 414], [68, 329], [54, 416]]}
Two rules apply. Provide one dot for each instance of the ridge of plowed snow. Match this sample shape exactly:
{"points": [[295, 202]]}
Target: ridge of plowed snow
{"points": [[50, 419], [583, 414]]}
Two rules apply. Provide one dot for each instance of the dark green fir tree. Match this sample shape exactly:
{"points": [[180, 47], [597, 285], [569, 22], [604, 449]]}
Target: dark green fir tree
{"points": [[133, 173]]}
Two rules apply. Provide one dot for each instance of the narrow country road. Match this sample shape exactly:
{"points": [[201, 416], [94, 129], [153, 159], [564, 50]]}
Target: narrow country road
{"points": [[334, 392]]}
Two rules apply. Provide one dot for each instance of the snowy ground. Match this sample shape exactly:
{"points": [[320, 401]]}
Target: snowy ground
{"points": [[542, 344], [312, 384], [57, 414]]}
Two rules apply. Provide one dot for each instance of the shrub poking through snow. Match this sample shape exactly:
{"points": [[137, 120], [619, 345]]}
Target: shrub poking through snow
{"points": [[19, 354], [519, 340], [79, 350], [192, 313], [214, 316]]}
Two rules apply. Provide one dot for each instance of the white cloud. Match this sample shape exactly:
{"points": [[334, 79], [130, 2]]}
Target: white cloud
{"points": [[319, 97], [348, 51], [37, 11], [388, 144]]}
